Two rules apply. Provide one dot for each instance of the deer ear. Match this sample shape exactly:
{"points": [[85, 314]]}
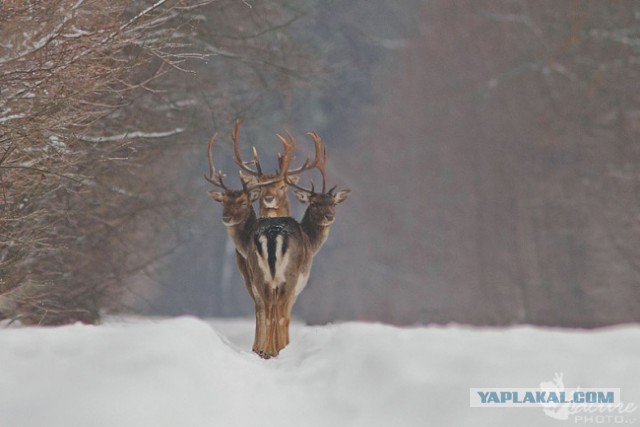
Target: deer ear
{"points": [[216, 195], [341, 196], [293, 179], [254, 195], [302, 196], [248, 179]]}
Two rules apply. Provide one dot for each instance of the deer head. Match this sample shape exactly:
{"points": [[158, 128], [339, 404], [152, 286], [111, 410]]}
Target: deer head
{"points": [[274, 201], [322, 206], [236, 204]]}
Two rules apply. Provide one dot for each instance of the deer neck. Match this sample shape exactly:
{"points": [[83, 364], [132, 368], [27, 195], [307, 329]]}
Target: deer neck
{"points": [[316, 233], [242, 233]]}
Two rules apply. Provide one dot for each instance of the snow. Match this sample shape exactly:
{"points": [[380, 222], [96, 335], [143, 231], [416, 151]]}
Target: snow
{"points": [[8, 118], [188, 372]]}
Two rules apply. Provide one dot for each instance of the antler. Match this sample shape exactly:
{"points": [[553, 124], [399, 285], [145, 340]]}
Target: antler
{"points": [[214, 178], [307, 165], [238, 159], [319, 163], [284, 160]]}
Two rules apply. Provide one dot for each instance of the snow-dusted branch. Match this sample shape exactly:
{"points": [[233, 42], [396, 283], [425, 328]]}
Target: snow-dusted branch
{"points": [[131, 135], [12, 117], [45, 39]]}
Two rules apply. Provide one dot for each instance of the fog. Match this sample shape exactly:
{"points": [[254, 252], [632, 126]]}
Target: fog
{"points": [[491, 148]]}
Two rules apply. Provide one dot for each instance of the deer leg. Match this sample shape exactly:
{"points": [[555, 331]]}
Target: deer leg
{"points": [[267, 349], [288, 302], [279, 321], [275, 315], [259, 342], [262, 322], [260, 332], [283, 315], [272, 322], [268, 343]]}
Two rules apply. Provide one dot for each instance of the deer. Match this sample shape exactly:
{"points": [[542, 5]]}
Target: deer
{"points": [[284, 254], [273, 199], [273, 254], [320, 213], [238, 215]]}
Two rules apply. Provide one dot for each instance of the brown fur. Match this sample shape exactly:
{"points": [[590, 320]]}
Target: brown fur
{"points": [[273, 304], [240, 219], [274, 288], [304, 241], [274, 299]]}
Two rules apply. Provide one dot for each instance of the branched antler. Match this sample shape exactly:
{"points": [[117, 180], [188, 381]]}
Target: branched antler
{"points": [[236, 150], [214, 178], [319, 163], [284, 159], [307, 165]]}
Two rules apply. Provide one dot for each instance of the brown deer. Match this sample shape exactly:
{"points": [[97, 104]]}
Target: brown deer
{"points": [[275, 254], [284, 255], [238, 216], [273, 198], [320, 213]]}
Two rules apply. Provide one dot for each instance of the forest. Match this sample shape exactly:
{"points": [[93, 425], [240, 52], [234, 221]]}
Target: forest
{"points": [[491, 147]]}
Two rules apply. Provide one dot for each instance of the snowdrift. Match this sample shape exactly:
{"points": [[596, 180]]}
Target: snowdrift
{"points": [[185, 372]]}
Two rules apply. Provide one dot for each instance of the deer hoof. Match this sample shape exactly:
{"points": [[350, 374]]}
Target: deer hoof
{"points": [[263, 354]]}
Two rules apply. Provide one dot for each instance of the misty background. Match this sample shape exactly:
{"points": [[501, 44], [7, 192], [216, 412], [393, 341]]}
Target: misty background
{"points": [[491, 148], [492, 152]]}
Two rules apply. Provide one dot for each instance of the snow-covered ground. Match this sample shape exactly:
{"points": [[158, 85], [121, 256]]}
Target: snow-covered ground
{"points": [[187, 372]]}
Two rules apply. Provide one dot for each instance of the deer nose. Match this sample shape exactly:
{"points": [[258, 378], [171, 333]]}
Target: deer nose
{"points": [[226, 218], [329, 217], [269, 199]]}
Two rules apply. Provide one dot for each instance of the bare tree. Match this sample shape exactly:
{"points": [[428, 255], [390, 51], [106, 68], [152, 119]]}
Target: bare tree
{"points": [[92, 108]]}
